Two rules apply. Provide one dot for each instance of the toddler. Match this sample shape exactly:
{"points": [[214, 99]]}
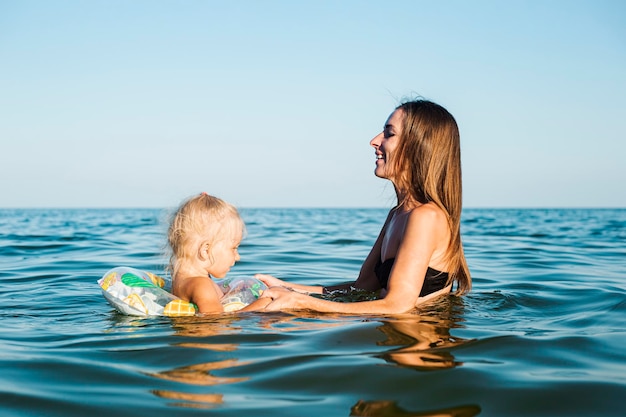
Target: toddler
{"points": [[204, 236]]}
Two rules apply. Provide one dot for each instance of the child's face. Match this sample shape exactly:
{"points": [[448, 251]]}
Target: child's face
{"points": [[225, 254]]}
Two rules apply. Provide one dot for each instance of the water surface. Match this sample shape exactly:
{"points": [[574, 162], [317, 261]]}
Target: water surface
{"points": [[542, 333]]}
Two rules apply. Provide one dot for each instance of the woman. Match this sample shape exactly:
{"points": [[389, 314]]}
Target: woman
{"points": [[418, 254]]}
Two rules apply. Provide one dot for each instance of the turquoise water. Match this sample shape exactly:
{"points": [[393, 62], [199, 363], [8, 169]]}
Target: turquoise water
{"points": [[541, 334]]}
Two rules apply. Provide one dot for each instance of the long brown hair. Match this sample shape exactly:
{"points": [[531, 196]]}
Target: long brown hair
{"points": [[428, 167]]}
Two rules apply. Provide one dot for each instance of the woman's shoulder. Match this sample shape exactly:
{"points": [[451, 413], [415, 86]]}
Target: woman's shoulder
{"points": [[428, 211], [428, 218]]}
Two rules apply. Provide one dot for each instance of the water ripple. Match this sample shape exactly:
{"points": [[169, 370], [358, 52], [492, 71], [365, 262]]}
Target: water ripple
{"points": [[541, 333]]}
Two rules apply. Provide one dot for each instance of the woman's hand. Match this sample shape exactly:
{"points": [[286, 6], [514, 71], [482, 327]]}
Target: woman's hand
{"points": [[281, 299], [257, 305], [271, 281]]}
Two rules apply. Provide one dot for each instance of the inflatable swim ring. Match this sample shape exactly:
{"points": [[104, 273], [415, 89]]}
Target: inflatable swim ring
{"points": [[139, 293], [239, 292]]}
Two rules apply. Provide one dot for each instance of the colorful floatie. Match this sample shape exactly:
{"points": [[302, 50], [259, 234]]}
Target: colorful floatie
{"points": [[140, 293]]}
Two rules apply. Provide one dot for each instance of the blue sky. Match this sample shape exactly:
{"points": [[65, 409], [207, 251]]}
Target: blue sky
{"points": [[273, 103]]}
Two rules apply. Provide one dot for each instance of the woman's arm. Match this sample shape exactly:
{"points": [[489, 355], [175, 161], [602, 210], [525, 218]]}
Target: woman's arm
{"points": [[424, 233], [367, 279], [271, 281]]}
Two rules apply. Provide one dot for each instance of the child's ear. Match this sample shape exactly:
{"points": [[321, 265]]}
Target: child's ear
{"points": [[204, 251]]}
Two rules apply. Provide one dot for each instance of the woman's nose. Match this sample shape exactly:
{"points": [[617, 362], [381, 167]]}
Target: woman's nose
{"points": [[375, 142]]}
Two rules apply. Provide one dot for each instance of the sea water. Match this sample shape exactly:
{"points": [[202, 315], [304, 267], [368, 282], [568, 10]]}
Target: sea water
{"points": [[542, 333]]}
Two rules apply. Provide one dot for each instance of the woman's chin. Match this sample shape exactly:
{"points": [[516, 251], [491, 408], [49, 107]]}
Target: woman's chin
{"points": [[380, 173]]}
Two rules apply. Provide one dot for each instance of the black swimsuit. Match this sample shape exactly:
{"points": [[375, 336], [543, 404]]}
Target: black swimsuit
{"points": [[433, 282]]}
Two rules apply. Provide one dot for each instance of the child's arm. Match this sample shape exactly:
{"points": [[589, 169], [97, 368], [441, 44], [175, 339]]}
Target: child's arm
{"points": [[202, 292]]}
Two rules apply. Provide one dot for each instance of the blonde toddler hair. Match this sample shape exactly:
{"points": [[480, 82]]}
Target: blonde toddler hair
{"points": [[199, 219]]}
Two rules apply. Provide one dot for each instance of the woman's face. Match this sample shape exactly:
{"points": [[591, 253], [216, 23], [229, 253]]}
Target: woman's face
{"points": [[386, 142]]}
